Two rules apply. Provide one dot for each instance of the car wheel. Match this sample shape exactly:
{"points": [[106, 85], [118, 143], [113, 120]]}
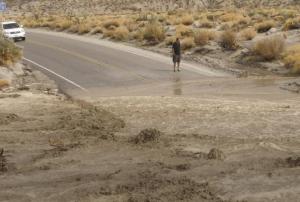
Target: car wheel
{"points": [[24, 38]]}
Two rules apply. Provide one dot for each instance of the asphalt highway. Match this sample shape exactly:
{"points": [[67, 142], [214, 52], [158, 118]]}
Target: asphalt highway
{"points": [[102, 68]]}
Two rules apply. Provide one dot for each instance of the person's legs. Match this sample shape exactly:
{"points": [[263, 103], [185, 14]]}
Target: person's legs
{"points": [[174, 62], [178, 63]]}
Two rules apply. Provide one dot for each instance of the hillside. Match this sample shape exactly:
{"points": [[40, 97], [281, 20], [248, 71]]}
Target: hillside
{"points": [[109, 6]]}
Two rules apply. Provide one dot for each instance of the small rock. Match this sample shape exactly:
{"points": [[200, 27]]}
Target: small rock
{"points": [[18, 69], [183, 167], [293, 161], [216, 154], [3, 161], [148, 135], [272, 31]]}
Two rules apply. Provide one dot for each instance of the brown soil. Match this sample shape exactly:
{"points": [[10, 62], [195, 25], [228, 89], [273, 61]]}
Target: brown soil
{"points": [[55, 149]]}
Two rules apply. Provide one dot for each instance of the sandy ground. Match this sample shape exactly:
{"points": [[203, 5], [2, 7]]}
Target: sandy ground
{"points": [[203, 149]]}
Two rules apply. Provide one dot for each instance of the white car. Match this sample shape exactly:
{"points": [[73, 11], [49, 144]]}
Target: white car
{"points": [[13, 30]]}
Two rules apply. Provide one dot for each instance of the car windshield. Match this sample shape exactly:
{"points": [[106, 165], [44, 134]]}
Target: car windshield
{"points": [[10, 26]]}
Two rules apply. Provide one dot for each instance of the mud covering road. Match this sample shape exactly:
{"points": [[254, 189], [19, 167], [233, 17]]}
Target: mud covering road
{"points": [[190, 149]]}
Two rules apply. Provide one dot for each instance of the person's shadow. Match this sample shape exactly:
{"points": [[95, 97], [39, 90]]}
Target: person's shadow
{"points": [[177, 85]]}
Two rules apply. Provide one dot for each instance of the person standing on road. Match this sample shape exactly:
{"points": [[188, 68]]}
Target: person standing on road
{"points": [[176, 54]]}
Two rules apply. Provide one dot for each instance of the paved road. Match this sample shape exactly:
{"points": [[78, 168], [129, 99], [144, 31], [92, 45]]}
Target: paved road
{"points": [[97, 67]]}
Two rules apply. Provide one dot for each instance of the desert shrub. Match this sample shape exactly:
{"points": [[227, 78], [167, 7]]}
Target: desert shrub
{"points": [[292, 23], [120, 33], [150, 135], [31, 23], [83, 29], [202, 37], [137, 35], [288, 13], [63, 25], [154, 32], [291, 58], [269, 48], [187, 20], [188, 43], [97, 30], [228, 40], [184, 31], [111, 24], [205, 23], [131, 26], [173, 20], [231, 17], [73, 29], [3, 83], [248, 34], [264, 26], [9, 52], [108, 33], [170, 40]]}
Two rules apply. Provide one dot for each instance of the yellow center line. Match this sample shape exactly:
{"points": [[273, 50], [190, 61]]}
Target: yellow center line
{"points": [[88, 59]]}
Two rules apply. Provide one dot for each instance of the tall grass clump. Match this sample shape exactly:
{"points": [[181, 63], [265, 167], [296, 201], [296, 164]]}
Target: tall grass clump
{"points": [[121, 33], [187, 43], [292, 23], [228, 40], [291, 58], [269, 48], [187, 20], [248, 34], [264, 26], [203, 36], [9, 52], [111, 24], [154, 32]]}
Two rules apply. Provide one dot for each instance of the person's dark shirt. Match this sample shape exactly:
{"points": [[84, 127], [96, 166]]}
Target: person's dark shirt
{"points": [[176, 47]]}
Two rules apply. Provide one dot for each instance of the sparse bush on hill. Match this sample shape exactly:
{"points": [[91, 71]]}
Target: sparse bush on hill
{"points": [[202, 37], [97, 30], [269, 48], [9, 53], [228, 40], [170, 40], [264, 26], [120, 33], [83, 29], [291, 58], [187, 20], [292, 23], [154, 32], [184, 31], [205, 23], [63, 25], [188, 43], [248, 34], [111, 24]]}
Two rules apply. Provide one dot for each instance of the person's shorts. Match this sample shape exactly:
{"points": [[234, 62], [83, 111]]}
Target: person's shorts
{"points": [[176, 58]]}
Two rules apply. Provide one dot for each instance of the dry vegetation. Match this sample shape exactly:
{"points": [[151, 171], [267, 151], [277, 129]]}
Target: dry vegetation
{"points": [[3, 83], [9, 53], [228, 40], [228, 28], [270, 48], [248, 34], [291, 58]]}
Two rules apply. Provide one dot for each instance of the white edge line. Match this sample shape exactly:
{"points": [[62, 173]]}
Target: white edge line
{"points": [[60, 76]]}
